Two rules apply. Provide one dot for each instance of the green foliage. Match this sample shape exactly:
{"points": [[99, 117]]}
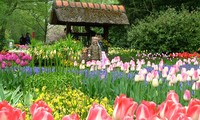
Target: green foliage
{"points": [[139, 9], [168, 31], [118, 36], [11, 77], [125, 54], [110, 86], [52, 81], [12, 96]]}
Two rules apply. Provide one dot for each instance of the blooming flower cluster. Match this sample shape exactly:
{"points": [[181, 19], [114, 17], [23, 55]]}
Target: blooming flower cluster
{"points": [[179, 72], [124, 109], [67, 102], [185, 55], [7, 112], [62, 50], [8, 59]]}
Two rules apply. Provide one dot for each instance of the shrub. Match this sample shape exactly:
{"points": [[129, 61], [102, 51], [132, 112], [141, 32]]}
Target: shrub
{"points": [[167, 31], [59, 52]]}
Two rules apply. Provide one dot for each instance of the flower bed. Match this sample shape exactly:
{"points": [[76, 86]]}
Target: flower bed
{"points": [[73, 90], [124, 109]]}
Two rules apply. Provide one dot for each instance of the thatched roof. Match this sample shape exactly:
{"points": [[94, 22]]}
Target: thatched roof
{"points": [[81, 13]]}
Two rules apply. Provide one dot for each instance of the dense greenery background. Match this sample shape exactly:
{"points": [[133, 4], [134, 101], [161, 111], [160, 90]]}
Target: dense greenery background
{"points": [[21, 16]]}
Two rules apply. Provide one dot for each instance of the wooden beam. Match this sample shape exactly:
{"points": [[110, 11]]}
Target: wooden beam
{"points": [[105, 35], [105, 32], [68, 31], [80, 34]]}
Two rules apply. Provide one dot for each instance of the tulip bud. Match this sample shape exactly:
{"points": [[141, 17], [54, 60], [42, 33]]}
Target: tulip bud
{"points": [[155, 82], [75, 63], [196, 86], [187, 95], [71, 117]]}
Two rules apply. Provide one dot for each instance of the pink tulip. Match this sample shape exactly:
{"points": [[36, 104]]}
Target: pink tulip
{"points": [[187, 95], [183, 70], [172, 70], [123, 107], [155, 74], [193, 110], [23, 63], [21, 54], [184, 76], [164, 73], [171, 95], [196, 86], [71, 117], [132, 62], [146, 110], [88, 63], [161, 62], [3, 65], [92, 68], [1, 58], [98, 112], [195, 75], [149, 77]]}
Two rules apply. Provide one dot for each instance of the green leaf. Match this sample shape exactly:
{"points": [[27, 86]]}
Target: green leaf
{"points": [[2, 95]]}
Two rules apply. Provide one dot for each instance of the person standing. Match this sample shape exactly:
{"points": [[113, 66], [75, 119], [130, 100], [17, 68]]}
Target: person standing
{"points": [[28, 39], [94, 51], [22, 40]]}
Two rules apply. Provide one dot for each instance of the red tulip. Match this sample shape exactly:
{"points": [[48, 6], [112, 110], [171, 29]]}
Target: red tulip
{"points": [[194, 109], [98, 112], [146, 110], [128, 117], [7, 112], [164, 107], [5, 115], [39, 104], [71, 117], [42, 115], [123, 107], [180, 116], [173, 110], [187, 95]]}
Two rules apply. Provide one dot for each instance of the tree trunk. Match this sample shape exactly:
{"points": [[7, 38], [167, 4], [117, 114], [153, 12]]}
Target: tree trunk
{"points": [[45, 30], [46, 22], [2, 37]]}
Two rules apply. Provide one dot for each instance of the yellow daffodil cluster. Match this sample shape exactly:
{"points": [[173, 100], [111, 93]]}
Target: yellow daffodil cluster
{"points": [[67, 102]]}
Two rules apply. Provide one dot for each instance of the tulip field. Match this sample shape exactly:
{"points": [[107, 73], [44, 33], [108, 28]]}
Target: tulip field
{"points": [[51, 82]]}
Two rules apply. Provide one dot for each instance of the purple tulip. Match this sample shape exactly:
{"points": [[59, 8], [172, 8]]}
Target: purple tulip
{"points": [[3, 65], [17, 61]]}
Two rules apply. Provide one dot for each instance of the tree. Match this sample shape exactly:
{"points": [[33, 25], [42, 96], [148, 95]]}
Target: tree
{"points": [[41, 14], [6, 10], [8, 7], [138, 9]]}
